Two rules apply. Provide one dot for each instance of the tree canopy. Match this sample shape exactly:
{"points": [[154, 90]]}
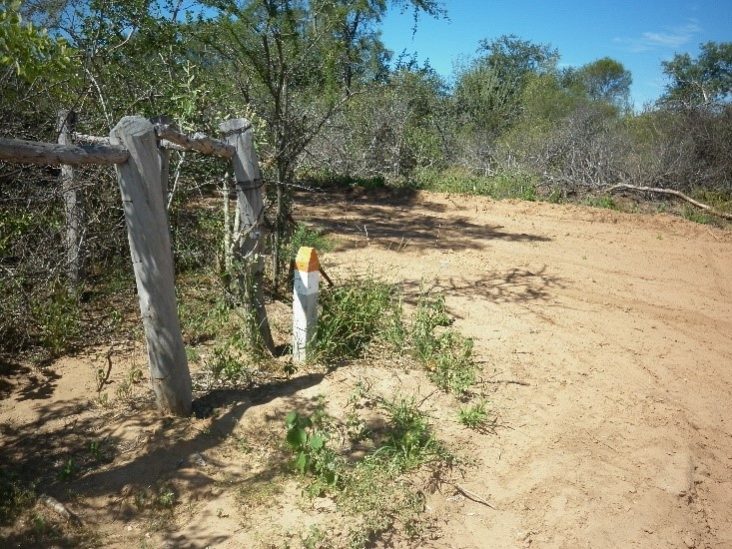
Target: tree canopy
{"points": [[706, 79]]}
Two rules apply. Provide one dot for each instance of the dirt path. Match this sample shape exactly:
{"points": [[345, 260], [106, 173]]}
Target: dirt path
{"points": [[606, 341], [606, 353]]}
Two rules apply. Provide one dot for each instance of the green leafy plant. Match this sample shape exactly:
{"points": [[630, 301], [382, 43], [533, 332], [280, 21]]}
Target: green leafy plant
{"points": [[28, 50], [606, 202], [475, 416], [227, 367], [68, 470], [409, 441], [302, 235], [58, 319], [95, 450], [311, 453], [166, 498]]}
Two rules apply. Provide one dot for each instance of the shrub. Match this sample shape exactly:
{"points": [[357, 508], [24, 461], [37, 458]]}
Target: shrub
{"points": [[352, 315]]}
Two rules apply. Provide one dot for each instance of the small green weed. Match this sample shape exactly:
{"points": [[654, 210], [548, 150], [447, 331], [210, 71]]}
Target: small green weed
{"points": [[68, 470], [697, 216], [160, 498], [166, 498], [314, 538], [409, 441], [15, 496], [95, 450], [227, 367], [475, 416], [202, 317], [306, 236], [124, 390], [192, 355], [603, 201], [312, 455]]}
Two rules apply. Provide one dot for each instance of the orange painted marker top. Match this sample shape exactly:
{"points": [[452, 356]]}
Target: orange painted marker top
{"points": [[307, 260]]}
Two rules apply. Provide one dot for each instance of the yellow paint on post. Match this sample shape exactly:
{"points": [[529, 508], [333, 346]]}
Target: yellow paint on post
{"points": [[307, 260]]}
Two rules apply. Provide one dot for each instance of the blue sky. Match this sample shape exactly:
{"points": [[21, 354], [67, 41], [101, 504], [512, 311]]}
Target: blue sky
{"points": [[640, 34]]}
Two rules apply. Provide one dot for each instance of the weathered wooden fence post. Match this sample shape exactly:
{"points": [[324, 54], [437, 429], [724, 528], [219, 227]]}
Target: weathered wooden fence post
{"points": [[164, 153], [249, 184], [152, 258], [72, 202], [304, 301]]}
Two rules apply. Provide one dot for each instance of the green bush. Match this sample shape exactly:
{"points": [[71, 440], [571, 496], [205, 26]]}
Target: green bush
{"points": [[475, 416], [58, 320], [303, 235], [352, 315], [500, 186]]}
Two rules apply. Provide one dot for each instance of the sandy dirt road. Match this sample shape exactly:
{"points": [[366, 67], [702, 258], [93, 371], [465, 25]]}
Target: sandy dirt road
{"points": [[607, 349], [605, 344]]}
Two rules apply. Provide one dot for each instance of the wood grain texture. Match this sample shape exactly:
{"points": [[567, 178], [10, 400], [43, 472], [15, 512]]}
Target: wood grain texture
{"points": [[33, 152], [152, 258]]}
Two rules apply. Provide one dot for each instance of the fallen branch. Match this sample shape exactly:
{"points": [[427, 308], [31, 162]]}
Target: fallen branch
{"points": [[472, 495], [671, 192], [59, 508]]}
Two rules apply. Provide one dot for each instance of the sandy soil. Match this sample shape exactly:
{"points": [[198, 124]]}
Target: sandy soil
{"points": [[606, 339], [605, 344]]}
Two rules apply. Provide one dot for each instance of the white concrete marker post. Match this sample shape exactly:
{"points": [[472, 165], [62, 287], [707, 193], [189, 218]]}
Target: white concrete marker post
{"points": [[305, 301]]}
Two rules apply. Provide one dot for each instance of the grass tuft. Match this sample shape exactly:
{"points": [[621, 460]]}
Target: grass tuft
{"points": [[352, 315]]}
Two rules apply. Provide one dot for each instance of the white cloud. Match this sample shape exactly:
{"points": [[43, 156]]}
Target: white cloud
{"points": [[673, 37]]}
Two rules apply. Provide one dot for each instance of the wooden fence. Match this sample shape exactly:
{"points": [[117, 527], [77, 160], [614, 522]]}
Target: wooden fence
{"points": [[139, 150]]}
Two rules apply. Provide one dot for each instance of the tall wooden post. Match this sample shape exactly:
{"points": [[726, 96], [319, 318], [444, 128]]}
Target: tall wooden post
{"points": [[249, 185], [72, 202], [152, 258]]}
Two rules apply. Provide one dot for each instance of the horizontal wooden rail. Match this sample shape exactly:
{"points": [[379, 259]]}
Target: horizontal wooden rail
{"points": [[170, 138], [33, 152], [84, 138], [93, 139], [98, 150], [198, 142]]}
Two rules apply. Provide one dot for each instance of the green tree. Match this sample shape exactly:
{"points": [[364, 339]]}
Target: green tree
{"points": [[514, 59], [488, 91], [296, 62], [26, 49], [606, 80], [388, 129], [706, 79]]}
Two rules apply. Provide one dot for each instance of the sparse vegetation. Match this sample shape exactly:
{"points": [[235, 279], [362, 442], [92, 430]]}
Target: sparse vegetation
{"points": [[502, 186], [447, 355], [372, 489]]}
